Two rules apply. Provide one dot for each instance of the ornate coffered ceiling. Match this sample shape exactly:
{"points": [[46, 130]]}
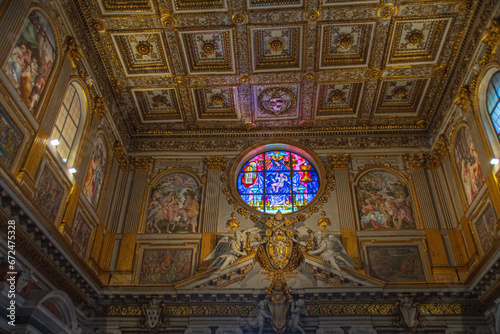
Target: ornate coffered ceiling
{"points": [[215, 68]]}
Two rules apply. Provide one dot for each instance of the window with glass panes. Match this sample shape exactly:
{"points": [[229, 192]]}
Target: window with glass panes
{"points": [[67, 122], [493, 102]]}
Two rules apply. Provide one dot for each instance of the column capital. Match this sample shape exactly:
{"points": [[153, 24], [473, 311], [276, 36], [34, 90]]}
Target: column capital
{"points": [[121, 156], [415, 160], [215, 162], [339, 161]]}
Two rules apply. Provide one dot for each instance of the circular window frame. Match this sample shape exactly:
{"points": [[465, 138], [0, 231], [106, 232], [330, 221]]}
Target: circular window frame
{"points": [[267, 146]]}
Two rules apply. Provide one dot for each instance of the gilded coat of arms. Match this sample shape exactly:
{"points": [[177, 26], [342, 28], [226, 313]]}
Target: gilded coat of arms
{"points": [[276, 101]]}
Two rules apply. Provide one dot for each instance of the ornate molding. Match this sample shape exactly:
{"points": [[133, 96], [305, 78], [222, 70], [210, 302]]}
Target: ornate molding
{"points": [[492, 39], [415, 160], [74, 53], [121, 156], [215, 163], [99, 107], [463, 100], [438, 152], [339, 161], [143, 164]]}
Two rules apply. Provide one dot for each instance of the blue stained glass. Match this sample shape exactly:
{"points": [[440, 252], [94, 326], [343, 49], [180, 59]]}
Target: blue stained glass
{"points": [[248, 183], [492, 101], [277, 161], [278, 180]]}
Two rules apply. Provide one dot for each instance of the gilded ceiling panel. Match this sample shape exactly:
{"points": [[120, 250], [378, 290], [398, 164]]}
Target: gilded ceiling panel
{"points": [[346, 45], [402, 97], [215, 103], [338, 99], [276, 48], [126, 7], [193, 6], [208, 52], [142, 53], [348, 3], [417, 41], [276, 102], [161, 104]]}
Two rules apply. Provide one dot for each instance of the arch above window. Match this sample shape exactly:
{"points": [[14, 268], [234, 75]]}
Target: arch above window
{"points": [[70, 121], [493, 102]]}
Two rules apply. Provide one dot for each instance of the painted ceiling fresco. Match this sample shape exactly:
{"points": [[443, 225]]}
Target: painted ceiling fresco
{"points": [[240, 68]]}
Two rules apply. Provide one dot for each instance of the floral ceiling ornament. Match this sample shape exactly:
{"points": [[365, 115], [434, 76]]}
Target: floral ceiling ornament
{"points": [[144, 48], [239, 19], [312, 15], [415, 37], [337, 95], [276, 101], [400, 92], [217, 99], [209, 48], [167, 21], [276, 44], [387, 12], [345, 41], [158, 101]]}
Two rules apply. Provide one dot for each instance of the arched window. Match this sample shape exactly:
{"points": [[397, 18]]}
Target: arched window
{"points": [[277, 180], [493, 102], [69, 123]]}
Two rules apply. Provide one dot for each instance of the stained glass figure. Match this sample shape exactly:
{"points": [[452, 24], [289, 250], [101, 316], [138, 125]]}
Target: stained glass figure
{"points": [[278, 180]]}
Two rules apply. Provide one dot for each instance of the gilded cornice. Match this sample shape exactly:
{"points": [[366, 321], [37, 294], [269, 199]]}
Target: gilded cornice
{"points": [[215, 163], [339, 161], [438, 152], [415, 160], [142, 164], [121, 156], [99, 107], [463, 100], [74, 53]]}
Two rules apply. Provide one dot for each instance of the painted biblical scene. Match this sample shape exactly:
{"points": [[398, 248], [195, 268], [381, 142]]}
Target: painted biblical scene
{"points": [[384, 202], [174, 205], [278, 180], [30, 62], [81, 236], [10, 139], [467, 163], [165, 266], [94, 177], [396, 263], [486, 227], [49, 194]]}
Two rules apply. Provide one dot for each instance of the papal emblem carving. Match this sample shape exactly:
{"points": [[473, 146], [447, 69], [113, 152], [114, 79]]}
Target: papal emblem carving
{"points": [[276, 101], [153, 316]]}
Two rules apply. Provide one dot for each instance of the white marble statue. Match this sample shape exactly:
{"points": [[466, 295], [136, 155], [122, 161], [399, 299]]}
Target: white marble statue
{"points": [[332, 251], [261, 315], [297, 310], [228, 249]]}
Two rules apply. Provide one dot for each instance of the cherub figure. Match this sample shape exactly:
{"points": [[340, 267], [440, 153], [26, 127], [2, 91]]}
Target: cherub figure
{"points": [[297, 310], [261, 315]]}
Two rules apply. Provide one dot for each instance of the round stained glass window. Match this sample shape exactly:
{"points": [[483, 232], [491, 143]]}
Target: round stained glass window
{"points": [[275, 181]]}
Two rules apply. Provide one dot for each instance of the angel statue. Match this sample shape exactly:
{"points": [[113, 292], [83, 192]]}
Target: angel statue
{"points": [[297, 310], [332, 252], [261, 315], [229, 249]]}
